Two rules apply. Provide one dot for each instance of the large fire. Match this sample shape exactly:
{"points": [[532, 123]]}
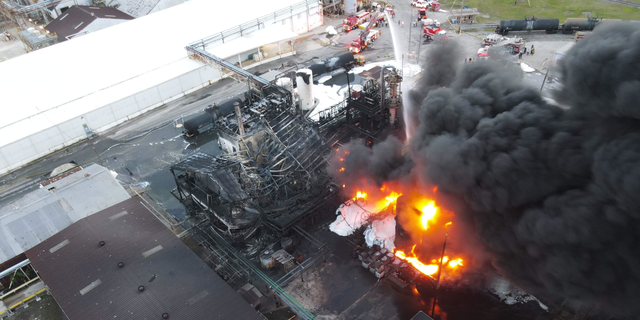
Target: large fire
{"points": [[429, 212], [430, 219], [431, 223]]}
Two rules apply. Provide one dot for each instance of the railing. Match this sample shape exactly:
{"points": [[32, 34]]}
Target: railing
{"points": [[257, 24]]}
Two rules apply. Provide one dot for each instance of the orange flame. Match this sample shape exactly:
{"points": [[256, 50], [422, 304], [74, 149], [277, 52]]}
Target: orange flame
{"points": [[455, 262], [360, 195], [341, 169], [428, 269], [448, 224], [392, 197], [428, 213], [341, 159], [344, 186]]}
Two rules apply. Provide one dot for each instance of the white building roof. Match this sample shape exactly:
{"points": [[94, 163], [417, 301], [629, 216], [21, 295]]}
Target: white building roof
{"points": [[64, 81], [42, 213]]}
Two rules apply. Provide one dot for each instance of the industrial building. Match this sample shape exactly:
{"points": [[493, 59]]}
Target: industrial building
{"points": [[123, 263], [77, 21], [102, 79], [68, 198]]}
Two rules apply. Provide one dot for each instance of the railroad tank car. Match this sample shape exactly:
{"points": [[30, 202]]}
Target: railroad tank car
{"points": [[193, 123], [579, 24], [548, 25]]}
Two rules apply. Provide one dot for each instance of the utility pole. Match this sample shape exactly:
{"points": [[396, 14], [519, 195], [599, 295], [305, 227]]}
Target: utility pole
{"points": [[94, 148], [435, 296], [460, 18], [410, 19], [544, 80], [419, 41]]}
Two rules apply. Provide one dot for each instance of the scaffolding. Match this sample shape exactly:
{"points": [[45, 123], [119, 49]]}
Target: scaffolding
{"points": [[19, 13]]}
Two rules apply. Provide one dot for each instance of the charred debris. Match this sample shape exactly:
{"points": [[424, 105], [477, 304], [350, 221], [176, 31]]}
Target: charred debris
{"points": [[270, 175], [252, 201]]}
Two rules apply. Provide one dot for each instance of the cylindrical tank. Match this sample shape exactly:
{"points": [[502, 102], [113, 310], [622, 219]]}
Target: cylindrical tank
{"points": [[267, 260], [193, 122], [549, 25], [304, 78], [285, 83], [287, 244], [318, 69], [350, 6], [579, 24], [511, 25]]}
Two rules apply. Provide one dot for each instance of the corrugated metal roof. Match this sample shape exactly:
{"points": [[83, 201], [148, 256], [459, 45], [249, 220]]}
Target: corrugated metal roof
{"points": [[42, 213], [86, 281], [421, 316], [76, 18]]}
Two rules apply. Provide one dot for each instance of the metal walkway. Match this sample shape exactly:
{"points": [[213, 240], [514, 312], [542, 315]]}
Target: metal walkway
{"points": [[197, 53]]}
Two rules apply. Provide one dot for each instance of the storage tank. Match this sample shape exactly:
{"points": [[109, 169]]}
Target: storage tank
{"points": [[549, 25], [350, 6], [285, 83], [304, 79]]}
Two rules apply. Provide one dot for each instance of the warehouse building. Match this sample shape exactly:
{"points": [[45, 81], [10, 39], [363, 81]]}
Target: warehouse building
{"points": [[62, 94]]}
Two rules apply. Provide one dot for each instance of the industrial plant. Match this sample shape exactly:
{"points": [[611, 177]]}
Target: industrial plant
{"points": [[301, 159]]}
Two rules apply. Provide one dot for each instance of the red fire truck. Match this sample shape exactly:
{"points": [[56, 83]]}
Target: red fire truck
{"points": [[353, 22], [366, 37], [429, 31]]}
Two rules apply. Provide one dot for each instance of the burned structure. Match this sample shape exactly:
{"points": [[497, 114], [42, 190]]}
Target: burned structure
{"points": [[272, 172], [370, 107]]}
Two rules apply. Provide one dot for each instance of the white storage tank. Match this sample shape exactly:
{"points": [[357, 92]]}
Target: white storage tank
{"points": [[304, 79], [285, 83]]}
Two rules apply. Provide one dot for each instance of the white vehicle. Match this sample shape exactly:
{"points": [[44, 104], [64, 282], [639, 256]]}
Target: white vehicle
{"points": [[419, 3], [431, 22]]}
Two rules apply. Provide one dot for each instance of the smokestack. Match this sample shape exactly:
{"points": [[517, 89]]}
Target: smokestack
{"points": [[304, 79], [239, 117]]}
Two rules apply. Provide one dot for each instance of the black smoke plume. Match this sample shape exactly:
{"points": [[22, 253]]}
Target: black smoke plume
{"points": [[553, 193], [440, 65]]}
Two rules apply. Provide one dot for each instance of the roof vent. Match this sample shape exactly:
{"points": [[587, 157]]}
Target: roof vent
{"points": [[120, 264], [102, 243], [165, 316], [140, 288]]}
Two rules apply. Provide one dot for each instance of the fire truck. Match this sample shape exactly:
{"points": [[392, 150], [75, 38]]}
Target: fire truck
{"points": [[353, 22], [422, 14], [367, 36], [429, 31]]}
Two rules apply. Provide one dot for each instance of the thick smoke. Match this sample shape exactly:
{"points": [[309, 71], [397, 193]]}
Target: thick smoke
{"points": [[440, 65], [552, 193], [382, 162]]}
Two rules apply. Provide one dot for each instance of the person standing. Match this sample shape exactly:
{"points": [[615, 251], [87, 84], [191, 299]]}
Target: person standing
{"points": [[532, 50], [402, 24]]}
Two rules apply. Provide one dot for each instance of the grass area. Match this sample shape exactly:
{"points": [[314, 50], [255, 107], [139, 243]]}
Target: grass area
{"points": [[561, 9]]}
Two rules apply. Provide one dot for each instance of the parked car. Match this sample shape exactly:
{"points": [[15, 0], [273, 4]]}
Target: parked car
{"points": [[419, 3]]}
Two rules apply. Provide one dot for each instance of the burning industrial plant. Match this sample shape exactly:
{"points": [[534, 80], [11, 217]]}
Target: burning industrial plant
{"points": [[545, 196]]}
